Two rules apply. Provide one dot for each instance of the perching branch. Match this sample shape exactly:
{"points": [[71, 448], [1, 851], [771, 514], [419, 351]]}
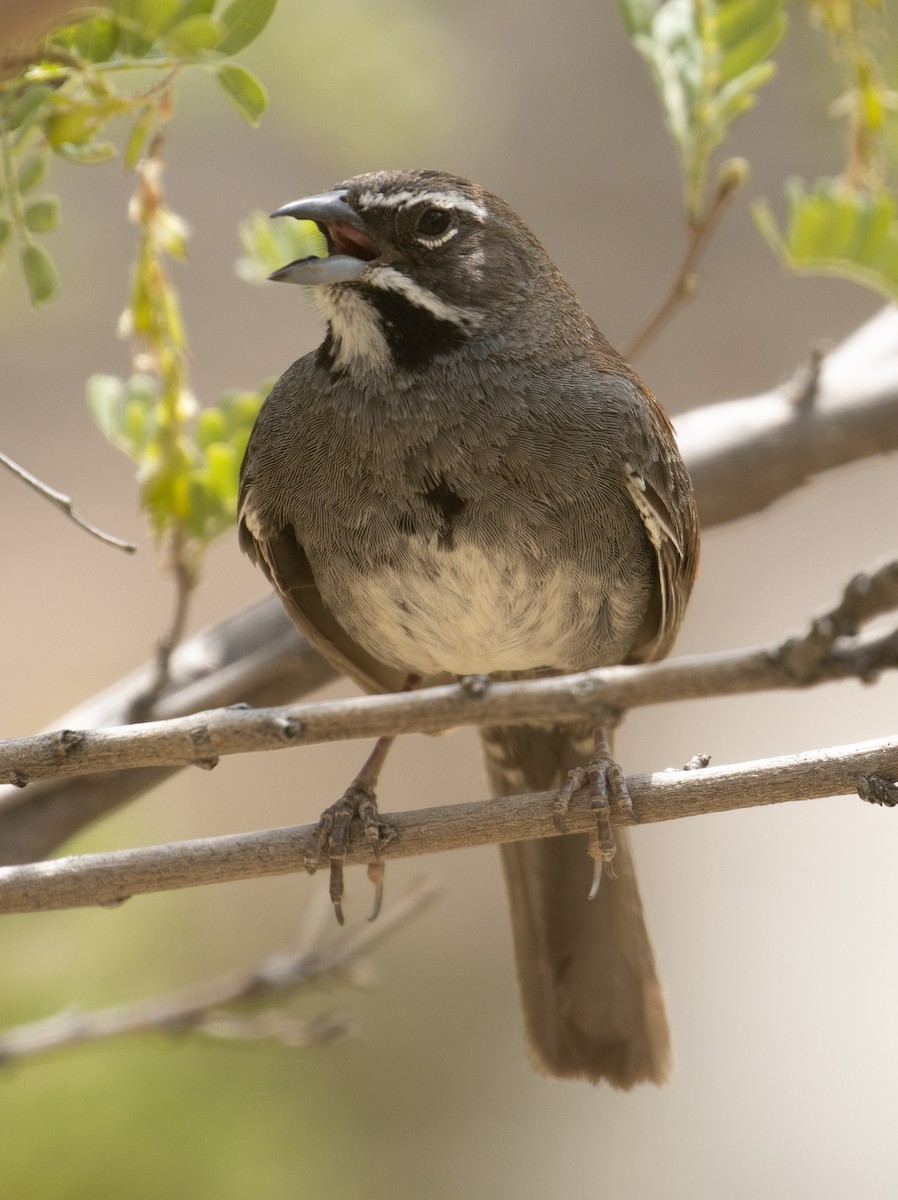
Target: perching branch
{"points": [[111, 878], [742, 454], [64, 504], [208, 1008], [830, 650]]}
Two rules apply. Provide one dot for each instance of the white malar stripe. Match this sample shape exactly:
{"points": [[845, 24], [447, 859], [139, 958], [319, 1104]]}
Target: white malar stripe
{"points": [[392, 280], [447, 200], [358, 338]]}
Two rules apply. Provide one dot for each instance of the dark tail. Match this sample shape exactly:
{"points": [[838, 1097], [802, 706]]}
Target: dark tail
{"points": [[593, 1006]]}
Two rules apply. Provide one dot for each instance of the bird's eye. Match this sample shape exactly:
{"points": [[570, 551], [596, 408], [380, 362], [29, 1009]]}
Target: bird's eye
{"points": [[433, 223]]}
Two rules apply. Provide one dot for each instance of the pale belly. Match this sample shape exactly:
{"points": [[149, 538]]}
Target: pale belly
{"points": [[468, 612]]}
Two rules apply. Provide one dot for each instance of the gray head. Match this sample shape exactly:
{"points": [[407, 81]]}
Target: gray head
{"points": [[420, 263]]}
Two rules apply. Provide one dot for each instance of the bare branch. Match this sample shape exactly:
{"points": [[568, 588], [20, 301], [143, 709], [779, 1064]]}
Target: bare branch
{"points": [[823, 654], [203, 1008], [745, 454], [742, 454], [110, 879], [64, 504]]}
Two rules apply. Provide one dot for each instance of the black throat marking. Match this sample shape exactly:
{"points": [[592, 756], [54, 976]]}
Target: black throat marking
{"points": [[414, 335]]}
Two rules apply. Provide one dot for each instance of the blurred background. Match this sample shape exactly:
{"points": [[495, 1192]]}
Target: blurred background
{"points": [[775, 929]]}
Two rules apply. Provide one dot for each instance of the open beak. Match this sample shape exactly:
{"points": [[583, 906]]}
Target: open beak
{"points": [[349, 247]]}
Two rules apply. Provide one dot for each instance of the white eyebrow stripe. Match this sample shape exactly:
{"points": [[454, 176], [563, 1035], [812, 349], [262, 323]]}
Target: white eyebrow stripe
{"points": [[392, 280], [446, 200]]}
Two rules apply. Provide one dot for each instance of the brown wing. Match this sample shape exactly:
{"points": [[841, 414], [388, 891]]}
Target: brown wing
{"points": [[283, 560], [660, 488]]}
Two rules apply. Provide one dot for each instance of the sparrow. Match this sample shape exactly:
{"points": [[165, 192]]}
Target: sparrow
{"points": [[466, 479]]}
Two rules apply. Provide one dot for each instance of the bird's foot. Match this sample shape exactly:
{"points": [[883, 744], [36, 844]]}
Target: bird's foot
{"points": [[332, 840], [607, 788]]}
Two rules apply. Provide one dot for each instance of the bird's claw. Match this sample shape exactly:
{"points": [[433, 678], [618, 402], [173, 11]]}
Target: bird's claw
{"points": [[607, 786], [332, 840]]}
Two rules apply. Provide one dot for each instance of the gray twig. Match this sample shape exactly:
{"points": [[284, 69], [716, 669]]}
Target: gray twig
{"points": [[111, 878], [208, 1008], [64, 504]]}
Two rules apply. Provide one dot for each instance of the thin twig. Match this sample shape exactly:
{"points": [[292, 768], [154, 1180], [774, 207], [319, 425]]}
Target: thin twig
{"points": [[203, 1007], [684, 283], [185, 583], [64, 504], [111, 878]]}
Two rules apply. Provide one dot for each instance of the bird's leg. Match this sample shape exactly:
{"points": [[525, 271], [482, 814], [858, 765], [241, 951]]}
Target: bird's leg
{"points": [[607, 784], [332, 830]]}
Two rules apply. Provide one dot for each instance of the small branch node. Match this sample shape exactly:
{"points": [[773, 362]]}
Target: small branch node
{"points": [[698, 762], [803, 389], [474, 685], [289, 728], [71, 740]]}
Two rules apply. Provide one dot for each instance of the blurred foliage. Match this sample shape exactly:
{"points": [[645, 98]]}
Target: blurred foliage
{"points": [[62, 100], [708, 58], [268, 245], [847, 226]]}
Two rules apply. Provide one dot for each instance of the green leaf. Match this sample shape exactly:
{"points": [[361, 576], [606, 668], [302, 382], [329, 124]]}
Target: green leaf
{"points": [[137, 138], [31, 171], [5, 230], [26, 108], [637, 15], [96, 39], [736, 20], [223, 470], [88, 154], [42, 214], [210, 427], [194, 34], [270, 244], [244, 90], [40, 274], [242, 22], [106, 401], [73, 125], [836, 230], [137, 25], [707, 58], [193, 8], [162, 15], [753, 49]]}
